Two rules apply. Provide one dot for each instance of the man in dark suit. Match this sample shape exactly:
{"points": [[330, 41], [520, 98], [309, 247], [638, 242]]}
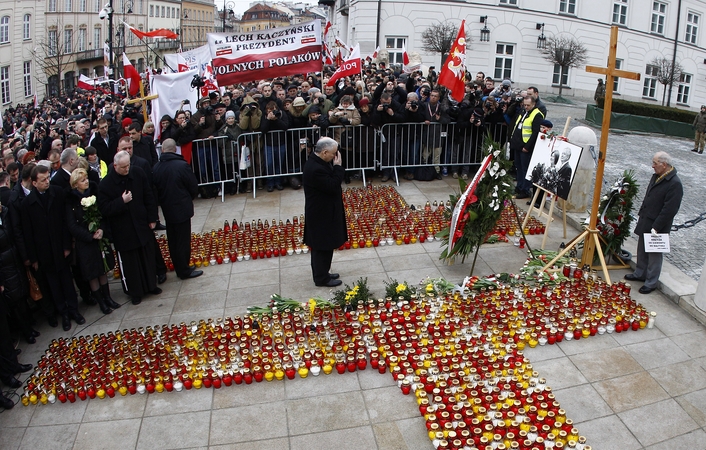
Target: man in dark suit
{"points": [[564, 175], [126, 201], [661, 204], [48, 243], [5, 190], [142, 146], [104, 142], [325, 219], [176, 190]]}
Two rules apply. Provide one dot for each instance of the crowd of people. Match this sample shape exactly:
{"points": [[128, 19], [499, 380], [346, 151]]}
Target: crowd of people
{"points": [[76, 169]]}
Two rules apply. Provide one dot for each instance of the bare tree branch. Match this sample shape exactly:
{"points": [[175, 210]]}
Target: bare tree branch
{"points": [[439, 38], [666, 73], [567, 52]]}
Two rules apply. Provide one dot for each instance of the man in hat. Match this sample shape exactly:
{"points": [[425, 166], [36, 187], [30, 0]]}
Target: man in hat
{"points": [[699, 127], [206, 124], [600, 91]]}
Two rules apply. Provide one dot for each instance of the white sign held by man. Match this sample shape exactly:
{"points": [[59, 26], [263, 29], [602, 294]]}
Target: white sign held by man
{"points": [[255, 55], [656, 243]]}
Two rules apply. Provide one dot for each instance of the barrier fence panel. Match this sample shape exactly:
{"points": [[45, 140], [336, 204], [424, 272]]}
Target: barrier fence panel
{"points": [[213, 162], [277, 156]]}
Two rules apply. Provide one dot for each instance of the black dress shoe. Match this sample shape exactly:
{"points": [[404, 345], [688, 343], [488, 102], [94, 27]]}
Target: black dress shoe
{"points": [[11, 382], [18, 351], [645, 290], [632, 277], [159, 226], [331, 283], [193, 274], [35, 333], [333, 276], [136, 300], [78, 318], [51, 320], [161, 278], [22, 368], [270, 188], [279, 187], [66, 322], [31, 339], [6, 403], [156, 291], [522, 195]]}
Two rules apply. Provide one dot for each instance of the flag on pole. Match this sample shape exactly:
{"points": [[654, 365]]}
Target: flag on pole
{"points": [[405, 56], [375, 53], [326, 28], [350, 66], [158, 33], [131, 76], [453, 71]]}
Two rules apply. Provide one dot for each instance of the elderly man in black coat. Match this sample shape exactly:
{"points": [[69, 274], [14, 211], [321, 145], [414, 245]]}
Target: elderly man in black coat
{"points": [[661, 204], [43, 210], [325, 226], [176, 190], [126, 201]]}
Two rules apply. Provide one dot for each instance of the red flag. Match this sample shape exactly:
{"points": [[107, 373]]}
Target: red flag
{"points": [[339, 60], [375, 53], [405, 56], [131, 75], [160, 32], [350, 66], [454, 70], [326, 28]]}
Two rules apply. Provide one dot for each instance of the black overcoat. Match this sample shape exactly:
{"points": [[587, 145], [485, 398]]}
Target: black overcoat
{"points": [[661, 204], [325, 219], [44, 229], [86, 249], [176, 187], [14, 281], [129, 222]]}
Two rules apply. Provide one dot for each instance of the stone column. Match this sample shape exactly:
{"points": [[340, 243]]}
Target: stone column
{"points": [[581, 194]]}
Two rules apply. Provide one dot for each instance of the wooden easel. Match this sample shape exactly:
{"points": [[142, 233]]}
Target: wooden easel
{"points": [[142, 99], [591, 236], [541, 213]]}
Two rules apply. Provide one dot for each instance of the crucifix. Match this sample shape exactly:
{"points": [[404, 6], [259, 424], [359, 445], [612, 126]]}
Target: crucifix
{"points": [[590, 235], [143, 100]]}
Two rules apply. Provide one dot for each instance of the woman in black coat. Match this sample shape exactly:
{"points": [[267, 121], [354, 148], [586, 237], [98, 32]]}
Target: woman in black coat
{"points": [[87, 244]]}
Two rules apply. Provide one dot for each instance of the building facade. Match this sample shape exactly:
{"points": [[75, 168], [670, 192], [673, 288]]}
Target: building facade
{"points": [[21, 25], [197, 21], [264, 17], [649, 29], [163, 14]]}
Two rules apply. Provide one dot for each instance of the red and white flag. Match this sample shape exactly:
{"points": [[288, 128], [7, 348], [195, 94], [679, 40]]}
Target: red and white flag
{"points": [[158, 33], [210, 83], [182, 65], [131, 76], [405, 56], [454, 70], [326, 28], [351, 66], [375, 53]]}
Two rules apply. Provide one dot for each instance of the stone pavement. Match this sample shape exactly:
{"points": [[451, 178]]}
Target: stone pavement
{"points": [[634, 390]]}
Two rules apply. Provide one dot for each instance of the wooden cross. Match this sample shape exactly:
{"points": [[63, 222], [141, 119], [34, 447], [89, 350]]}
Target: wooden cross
{"points": [[143, 99], [590, 235]]}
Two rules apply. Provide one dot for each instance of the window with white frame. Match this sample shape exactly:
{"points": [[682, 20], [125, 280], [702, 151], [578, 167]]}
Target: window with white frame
{"points": [[560, 76], [82, 5], [68, 5], [130, 36], [162, 12], [504, 54], [27, 77], [620, 12], [52, 44], [52, 5], [508, 2], [649, 86], [141, 7], [5, 84], [81, 40], [27, 27], [4, 29], [684, 89], [394, 45], [659, 14], [616, 80], [68, 40], [151, 10], [567, 6], [97, 37], [692, 27], [97, 5]]}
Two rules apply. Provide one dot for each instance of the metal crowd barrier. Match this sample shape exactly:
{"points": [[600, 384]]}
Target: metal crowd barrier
{"points": [[274, 156], [214, 161]]}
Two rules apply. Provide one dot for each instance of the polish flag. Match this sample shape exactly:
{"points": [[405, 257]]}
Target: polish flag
{"points": [[405, 56], [350, 66], [326, 28], [454, 70], [131, 75], [375, 53], [182, 65], [158, 33]]}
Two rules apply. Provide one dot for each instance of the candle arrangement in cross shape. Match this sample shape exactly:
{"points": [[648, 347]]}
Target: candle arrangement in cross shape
{"points": [[460, 354]]}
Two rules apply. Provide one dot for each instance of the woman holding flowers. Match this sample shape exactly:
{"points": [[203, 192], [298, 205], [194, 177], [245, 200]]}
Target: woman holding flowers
{"points": [[91, 248]]}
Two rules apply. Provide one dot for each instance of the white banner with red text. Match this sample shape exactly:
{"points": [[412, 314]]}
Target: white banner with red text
{"points": [[256, 55]]}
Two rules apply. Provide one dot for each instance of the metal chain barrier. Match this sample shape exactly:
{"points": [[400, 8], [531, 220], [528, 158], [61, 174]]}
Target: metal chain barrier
{"points": [[689, 223]]}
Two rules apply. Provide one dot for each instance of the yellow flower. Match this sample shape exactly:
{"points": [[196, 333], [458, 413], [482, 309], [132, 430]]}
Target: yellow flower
{"points": [[312, 305], [400, 288], [430, 287]]}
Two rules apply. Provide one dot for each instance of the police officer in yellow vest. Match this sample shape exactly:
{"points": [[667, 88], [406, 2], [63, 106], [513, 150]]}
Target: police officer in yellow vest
{"points": [[522, 142]]}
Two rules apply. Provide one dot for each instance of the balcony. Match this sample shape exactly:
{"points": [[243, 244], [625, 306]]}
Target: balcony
{"points": [[89, 55], [166, 44]]}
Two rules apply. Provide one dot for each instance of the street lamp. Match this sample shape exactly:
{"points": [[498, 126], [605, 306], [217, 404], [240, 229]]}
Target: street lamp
{"points": [[229, 7], [541, 40], [107, 11], [485, 32]]}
